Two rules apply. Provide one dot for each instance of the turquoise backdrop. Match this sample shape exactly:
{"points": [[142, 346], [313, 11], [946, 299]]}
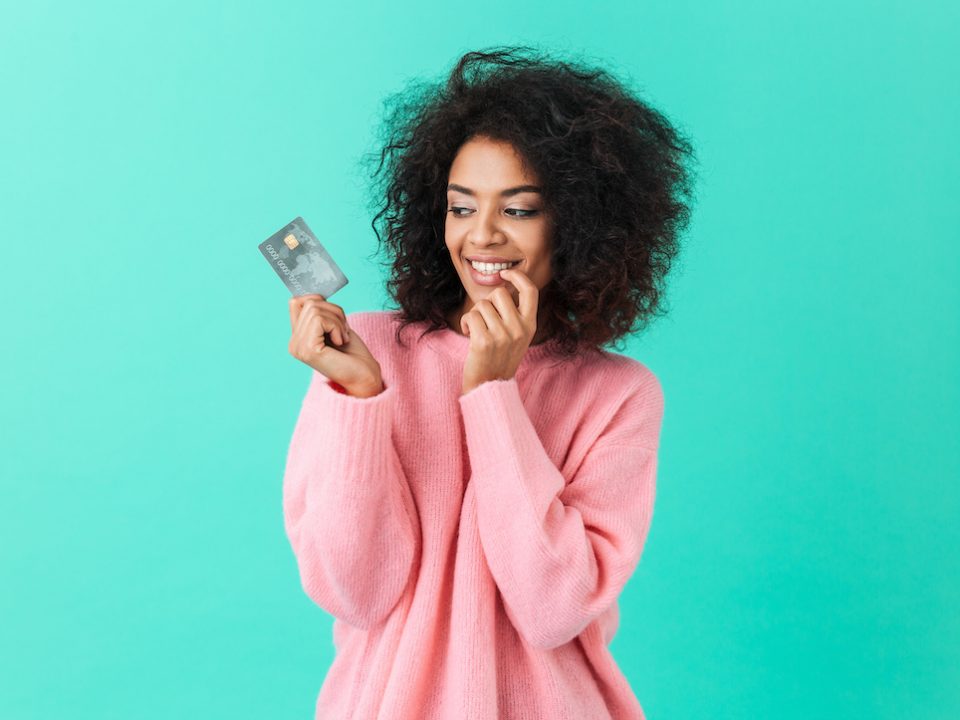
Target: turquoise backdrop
{"points": [[802, 561]]}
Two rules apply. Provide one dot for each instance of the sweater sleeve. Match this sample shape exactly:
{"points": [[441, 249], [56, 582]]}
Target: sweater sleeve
{"points": [[348, 511], [561, 552]]}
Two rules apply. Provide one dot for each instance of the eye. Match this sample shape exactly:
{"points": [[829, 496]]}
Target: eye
{"points": [[525, 213]]}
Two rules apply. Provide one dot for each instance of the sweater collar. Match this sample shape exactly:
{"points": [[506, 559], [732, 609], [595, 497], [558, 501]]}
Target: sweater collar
{"points": [[449, 342]]}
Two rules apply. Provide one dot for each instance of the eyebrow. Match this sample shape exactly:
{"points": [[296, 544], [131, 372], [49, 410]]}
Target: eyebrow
{"points": [[506, 193]]}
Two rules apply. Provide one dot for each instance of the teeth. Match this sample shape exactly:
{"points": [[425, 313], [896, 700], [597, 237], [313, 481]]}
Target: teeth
{"points": [[490, 268]]}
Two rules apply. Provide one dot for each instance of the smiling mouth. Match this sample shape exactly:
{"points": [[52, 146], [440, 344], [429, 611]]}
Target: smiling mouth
{"points": [[512, 264]]}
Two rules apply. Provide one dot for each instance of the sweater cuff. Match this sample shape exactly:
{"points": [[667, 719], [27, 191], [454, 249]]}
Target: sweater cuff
{"points": [[354, 430], [494, 415], [498, 430]]}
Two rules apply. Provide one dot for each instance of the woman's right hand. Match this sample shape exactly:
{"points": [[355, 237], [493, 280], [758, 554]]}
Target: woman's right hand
{"points": [[350, 364]]}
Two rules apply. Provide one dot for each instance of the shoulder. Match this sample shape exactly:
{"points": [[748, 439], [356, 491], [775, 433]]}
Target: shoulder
{"points": [[378, 329], [371, 319], [624, 378], [374, 326], [615, 396], [633, 399]]}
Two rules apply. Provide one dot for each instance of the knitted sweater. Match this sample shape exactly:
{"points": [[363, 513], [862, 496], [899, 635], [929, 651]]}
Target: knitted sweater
{"points": [[471, 547]]}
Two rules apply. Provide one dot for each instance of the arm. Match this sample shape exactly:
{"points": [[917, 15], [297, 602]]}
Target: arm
{"points": [[561, 553], [348, 511]]}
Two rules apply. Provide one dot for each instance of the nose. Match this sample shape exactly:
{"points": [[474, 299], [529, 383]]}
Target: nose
{"points": [[486, 230]]}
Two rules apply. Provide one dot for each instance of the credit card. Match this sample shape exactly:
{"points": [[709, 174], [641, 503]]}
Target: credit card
{"points": [[301, 261]]}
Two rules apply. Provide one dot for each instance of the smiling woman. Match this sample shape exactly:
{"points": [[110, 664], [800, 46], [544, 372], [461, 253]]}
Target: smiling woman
{"points": [[470, 510], [520, 156], [489, 227]]}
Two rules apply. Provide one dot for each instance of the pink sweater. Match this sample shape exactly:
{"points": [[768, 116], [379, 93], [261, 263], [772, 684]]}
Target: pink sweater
{"points": [[472, 548]]}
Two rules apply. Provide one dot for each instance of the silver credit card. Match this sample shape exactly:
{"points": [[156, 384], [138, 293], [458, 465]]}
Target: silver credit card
{"points": [[301, 261]]}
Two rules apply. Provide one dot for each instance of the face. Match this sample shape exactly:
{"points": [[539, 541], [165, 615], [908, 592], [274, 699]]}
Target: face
{"points": [[494, 211]]}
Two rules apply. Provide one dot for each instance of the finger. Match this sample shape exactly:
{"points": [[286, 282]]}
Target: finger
{"points": [[529, 293], [336, 310], [329, 309], [336, 333], [319, 326], [509, 314], [473, 325], [309, 335], [491, 316], [314, 321], [297, 303], [335, 327], [307, 311]]}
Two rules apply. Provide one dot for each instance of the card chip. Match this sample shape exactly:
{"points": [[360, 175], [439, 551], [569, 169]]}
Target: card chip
{"points": [[290, 241]]}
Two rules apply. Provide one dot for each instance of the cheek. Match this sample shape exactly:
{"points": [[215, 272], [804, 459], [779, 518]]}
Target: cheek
{"points": [[543, 267], [451, 238]]}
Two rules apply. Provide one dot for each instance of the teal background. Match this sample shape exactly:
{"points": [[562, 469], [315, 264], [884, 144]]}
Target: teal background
{"points": [[803, 556]]}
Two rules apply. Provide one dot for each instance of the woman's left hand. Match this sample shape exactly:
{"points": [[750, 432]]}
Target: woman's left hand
{"points": [[500, 331]]}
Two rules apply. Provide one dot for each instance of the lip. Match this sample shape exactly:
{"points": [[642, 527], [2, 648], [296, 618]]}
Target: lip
{"points": [[490, 258]]}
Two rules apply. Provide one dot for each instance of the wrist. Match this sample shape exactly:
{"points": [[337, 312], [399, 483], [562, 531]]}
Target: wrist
{"points": [[367, 389]]}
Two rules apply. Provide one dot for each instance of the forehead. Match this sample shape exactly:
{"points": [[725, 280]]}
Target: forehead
{"points": [[487, 165]]}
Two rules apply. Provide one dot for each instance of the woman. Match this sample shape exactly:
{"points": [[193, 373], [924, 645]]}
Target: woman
{"points": [[469, 505]]}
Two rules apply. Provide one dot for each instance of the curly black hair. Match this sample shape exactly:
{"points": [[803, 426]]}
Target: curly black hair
{"points": [[616, 181]]}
